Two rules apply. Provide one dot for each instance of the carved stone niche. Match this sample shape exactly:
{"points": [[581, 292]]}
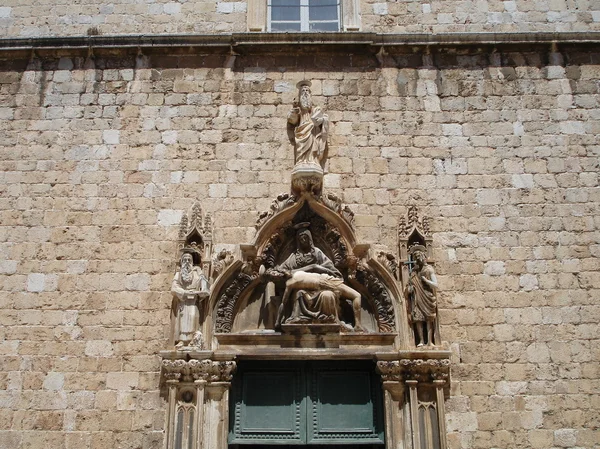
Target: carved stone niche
{"points": [[419, 287], [195, 230], [282, 286], [190, 285]]}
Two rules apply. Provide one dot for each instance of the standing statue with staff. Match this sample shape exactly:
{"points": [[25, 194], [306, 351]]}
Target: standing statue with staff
{"points": [[421, 294]]}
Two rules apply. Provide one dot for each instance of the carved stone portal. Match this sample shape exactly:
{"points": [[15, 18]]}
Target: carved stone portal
{"points": [[304, 275]]}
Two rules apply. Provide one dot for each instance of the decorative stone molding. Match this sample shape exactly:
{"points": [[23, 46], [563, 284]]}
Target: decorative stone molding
{"points": [[412, 221], [194, 370], [334, 203], [381, 298], [173, 369], [195, 230], [389, 261], [421, 370], [227, 301], [221, 371], [283, 201], [221, 261]]}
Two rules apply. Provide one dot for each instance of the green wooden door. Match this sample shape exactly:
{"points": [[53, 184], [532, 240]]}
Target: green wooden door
{"points": [[306, 403]]}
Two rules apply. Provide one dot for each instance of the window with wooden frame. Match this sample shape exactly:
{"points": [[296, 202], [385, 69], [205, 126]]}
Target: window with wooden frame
{"points": [[311, 16], [303, 15]]}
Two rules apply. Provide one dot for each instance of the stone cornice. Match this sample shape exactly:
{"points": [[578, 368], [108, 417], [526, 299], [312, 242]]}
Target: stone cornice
{"points": [[258, 42]]}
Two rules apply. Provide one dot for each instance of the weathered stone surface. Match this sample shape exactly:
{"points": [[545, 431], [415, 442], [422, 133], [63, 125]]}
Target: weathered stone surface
{"points": [[97, 166]]}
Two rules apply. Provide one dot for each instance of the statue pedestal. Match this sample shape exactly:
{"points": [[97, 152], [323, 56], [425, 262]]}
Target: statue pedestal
{"points": [[307, 177], [303, 329]]}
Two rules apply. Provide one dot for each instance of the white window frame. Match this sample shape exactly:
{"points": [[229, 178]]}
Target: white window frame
{"points": [[349, 19], [305, 21]]}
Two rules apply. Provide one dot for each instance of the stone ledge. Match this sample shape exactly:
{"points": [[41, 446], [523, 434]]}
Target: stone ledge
{"points": [[259, 42]]}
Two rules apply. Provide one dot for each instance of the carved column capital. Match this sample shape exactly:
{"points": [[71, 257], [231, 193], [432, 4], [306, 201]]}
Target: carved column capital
{"points": [[421, 370], [173, 369], [221, 371], [198, 370]]}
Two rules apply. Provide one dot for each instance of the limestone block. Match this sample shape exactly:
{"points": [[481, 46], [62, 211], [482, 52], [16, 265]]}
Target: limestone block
{"points": [[54, 381], [169, 217], [122, 381], [39, 282]]}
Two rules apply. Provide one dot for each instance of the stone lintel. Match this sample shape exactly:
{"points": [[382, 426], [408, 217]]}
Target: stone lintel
{"points": [[275, 341]]}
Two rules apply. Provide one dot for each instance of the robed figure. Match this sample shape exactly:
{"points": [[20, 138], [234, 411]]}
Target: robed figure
{"points": [[421, 294], [313, 287], [189, 288], [307, 129]]}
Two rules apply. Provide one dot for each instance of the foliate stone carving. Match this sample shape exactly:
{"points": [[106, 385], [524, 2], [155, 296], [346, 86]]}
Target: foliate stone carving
{"points": [[307, 179], [228, 299], [389, 261], [283, 201], [194, 370], [221, 371], [338, 247], [307, 129], [183, 226], [334, 203], [199, 369], [221, 261], [412, 221], [207, 225], [197, 228], [173, 369], [381, 298], [422, 370]]}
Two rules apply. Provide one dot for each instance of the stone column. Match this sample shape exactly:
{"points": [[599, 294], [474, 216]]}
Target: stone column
{"points": [[172, 387], [199, 370], [217, 405], [394, 404], [173, 371], [441, 413], [414, 412]]}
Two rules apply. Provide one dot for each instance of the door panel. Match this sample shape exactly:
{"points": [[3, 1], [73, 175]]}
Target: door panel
{"points": [[268, 407], [312, 403]]}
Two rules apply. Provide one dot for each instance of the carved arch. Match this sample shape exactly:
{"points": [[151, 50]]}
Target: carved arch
{"points": [[275, 240]]}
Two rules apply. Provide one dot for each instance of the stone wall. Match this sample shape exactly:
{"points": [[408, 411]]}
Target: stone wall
{"points": [[26, 18], [99, 158]]}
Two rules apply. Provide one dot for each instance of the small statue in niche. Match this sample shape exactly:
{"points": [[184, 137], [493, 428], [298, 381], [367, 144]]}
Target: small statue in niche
{"points": [[421, 294], [314, 285], [190, 288], [307, 129]]}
